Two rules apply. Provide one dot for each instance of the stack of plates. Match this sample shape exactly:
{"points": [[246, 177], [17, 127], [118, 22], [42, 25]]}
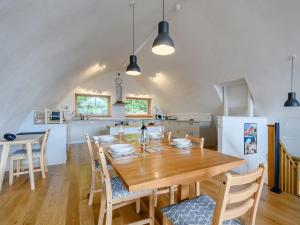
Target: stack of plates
{"points": [[105, 138], [120, 150], [182, 143]]}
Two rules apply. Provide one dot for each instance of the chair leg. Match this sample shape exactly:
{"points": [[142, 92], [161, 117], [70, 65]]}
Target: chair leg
{"points": [[151, 209], [197, 188], [108, 214], [18, 167], [11, 172], [138, 205], [42, 167], [92, 188], [102, 208], [45, 165], [171, 195], [165, 221]]}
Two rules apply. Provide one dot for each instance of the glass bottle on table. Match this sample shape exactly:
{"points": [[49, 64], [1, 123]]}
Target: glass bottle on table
{"points": [[144, 137]]}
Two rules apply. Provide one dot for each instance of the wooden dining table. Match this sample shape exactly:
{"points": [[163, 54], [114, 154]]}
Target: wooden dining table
{"points": [[21, 140], [169, 166]]}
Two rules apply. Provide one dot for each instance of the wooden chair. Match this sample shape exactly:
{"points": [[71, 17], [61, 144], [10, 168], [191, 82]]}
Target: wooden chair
{"points": [[229, 206], [95, 168], [20, 155], [200, 142], [115, 195]]}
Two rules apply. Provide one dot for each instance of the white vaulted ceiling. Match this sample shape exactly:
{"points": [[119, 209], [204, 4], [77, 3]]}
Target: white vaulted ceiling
{"points": [[45, 47]]}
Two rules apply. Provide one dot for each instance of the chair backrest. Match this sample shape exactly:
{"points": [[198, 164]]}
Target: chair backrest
{"points": [[44, 142], [233, 204], [168, 134], [198, 140], [91, 153], [105, 177]]}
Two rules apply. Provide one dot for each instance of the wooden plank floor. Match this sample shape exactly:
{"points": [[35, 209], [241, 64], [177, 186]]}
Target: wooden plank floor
{"points": [[61, 199]]}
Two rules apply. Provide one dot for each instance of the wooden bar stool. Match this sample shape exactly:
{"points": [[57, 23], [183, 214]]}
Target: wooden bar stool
{"points": [[20, 155]]}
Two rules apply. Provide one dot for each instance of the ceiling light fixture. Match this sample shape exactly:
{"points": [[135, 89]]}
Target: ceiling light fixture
{"points": [[163, 43], [133, 69], [292, 101]]}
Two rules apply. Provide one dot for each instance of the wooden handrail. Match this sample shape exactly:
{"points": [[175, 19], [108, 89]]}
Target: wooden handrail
{"points": [[289, 172]]}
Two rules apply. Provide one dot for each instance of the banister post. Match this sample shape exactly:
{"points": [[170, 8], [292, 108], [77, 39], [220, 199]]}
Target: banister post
{"points": [[276, 188]]}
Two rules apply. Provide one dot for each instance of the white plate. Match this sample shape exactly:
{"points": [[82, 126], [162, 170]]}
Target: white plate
{"points": [[120, 154], [121, 148], [106, 138], [181, 141], [183, 145]]}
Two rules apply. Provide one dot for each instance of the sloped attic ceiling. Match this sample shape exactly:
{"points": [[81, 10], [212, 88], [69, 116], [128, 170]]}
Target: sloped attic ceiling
{"points": [[46, 46]]}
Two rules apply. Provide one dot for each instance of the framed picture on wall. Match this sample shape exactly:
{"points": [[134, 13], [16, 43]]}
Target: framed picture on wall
{"points": [[250, 138]]}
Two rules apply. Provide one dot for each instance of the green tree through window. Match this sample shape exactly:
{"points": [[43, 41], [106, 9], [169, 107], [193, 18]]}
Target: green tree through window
{"points": [[92, 105], [137, 106]]}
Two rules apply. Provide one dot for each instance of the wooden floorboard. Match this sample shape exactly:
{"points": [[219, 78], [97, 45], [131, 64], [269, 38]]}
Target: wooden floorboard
{"points": [[61, 199]]}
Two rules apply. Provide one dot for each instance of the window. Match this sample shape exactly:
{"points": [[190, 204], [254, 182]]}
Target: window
{"points": [[95, 105], [138, 106]]}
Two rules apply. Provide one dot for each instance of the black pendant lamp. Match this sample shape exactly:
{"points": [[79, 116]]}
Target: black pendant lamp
{"points": [[133, 69], [292, 101], [163, 43]]}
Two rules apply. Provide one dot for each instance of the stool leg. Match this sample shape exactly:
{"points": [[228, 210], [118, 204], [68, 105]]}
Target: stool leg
{"points": [[11, 172], [18, 166]]}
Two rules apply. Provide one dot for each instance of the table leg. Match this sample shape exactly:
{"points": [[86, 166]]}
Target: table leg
{"points": [[4, 157], [30, 165]]}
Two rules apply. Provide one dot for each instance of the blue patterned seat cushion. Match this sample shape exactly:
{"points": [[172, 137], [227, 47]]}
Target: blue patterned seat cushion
{"points": [[22, 152], [120, 191], [197, 211]]}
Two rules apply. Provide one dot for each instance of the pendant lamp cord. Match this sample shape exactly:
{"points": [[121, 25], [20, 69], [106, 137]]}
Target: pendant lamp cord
{"points": [[163, 10], [133, 29], [292, 74]]}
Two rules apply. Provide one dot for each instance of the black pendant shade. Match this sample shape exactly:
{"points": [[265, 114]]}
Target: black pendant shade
{"points": [[133, 68], [291, 101], [163, 43]]}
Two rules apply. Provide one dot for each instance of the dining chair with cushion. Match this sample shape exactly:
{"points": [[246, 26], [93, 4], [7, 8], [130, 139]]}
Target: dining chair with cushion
{"points": [[115, 195], [94, 169], [199, 141], [229, 206], [20, 155]]}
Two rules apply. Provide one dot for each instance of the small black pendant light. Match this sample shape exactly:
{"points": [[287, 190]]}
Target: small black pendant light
{"points": [[163, 43], [292, 101], [133, 69]]}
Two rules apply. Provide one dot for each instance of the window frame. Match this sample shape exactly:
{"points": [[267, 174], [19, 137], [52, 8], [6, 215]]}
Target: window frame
{"points": [[149, 112], [94, 95]]}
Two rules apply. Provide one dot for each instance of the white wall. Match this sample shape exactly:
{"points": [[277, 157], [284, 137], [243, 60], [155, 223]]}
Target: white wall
{"points": [[231, 140], [105, 84]]}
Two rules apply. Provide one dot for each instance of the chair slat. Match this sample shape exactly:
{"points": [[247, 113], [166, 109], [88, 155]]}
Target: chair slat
{"points": [[238, 211], [246, 178], [240, 196]]}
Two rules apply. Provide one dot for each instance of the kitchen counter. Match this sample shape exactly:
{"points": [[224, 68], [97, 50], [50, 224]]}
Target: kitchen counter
{"points": [[124, 126]]}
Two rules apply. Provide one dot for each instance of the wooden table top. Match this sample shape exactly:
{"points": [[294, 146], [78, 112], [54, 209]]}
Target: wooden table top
{"points": [[171, 166], [23, 139]]}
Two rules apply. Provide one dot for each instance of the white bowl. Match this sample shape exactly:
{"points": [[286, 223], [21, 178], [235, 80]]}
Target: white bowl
{"points": [[181, 141], [154, 136], [106, 138], [121, 148]]}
